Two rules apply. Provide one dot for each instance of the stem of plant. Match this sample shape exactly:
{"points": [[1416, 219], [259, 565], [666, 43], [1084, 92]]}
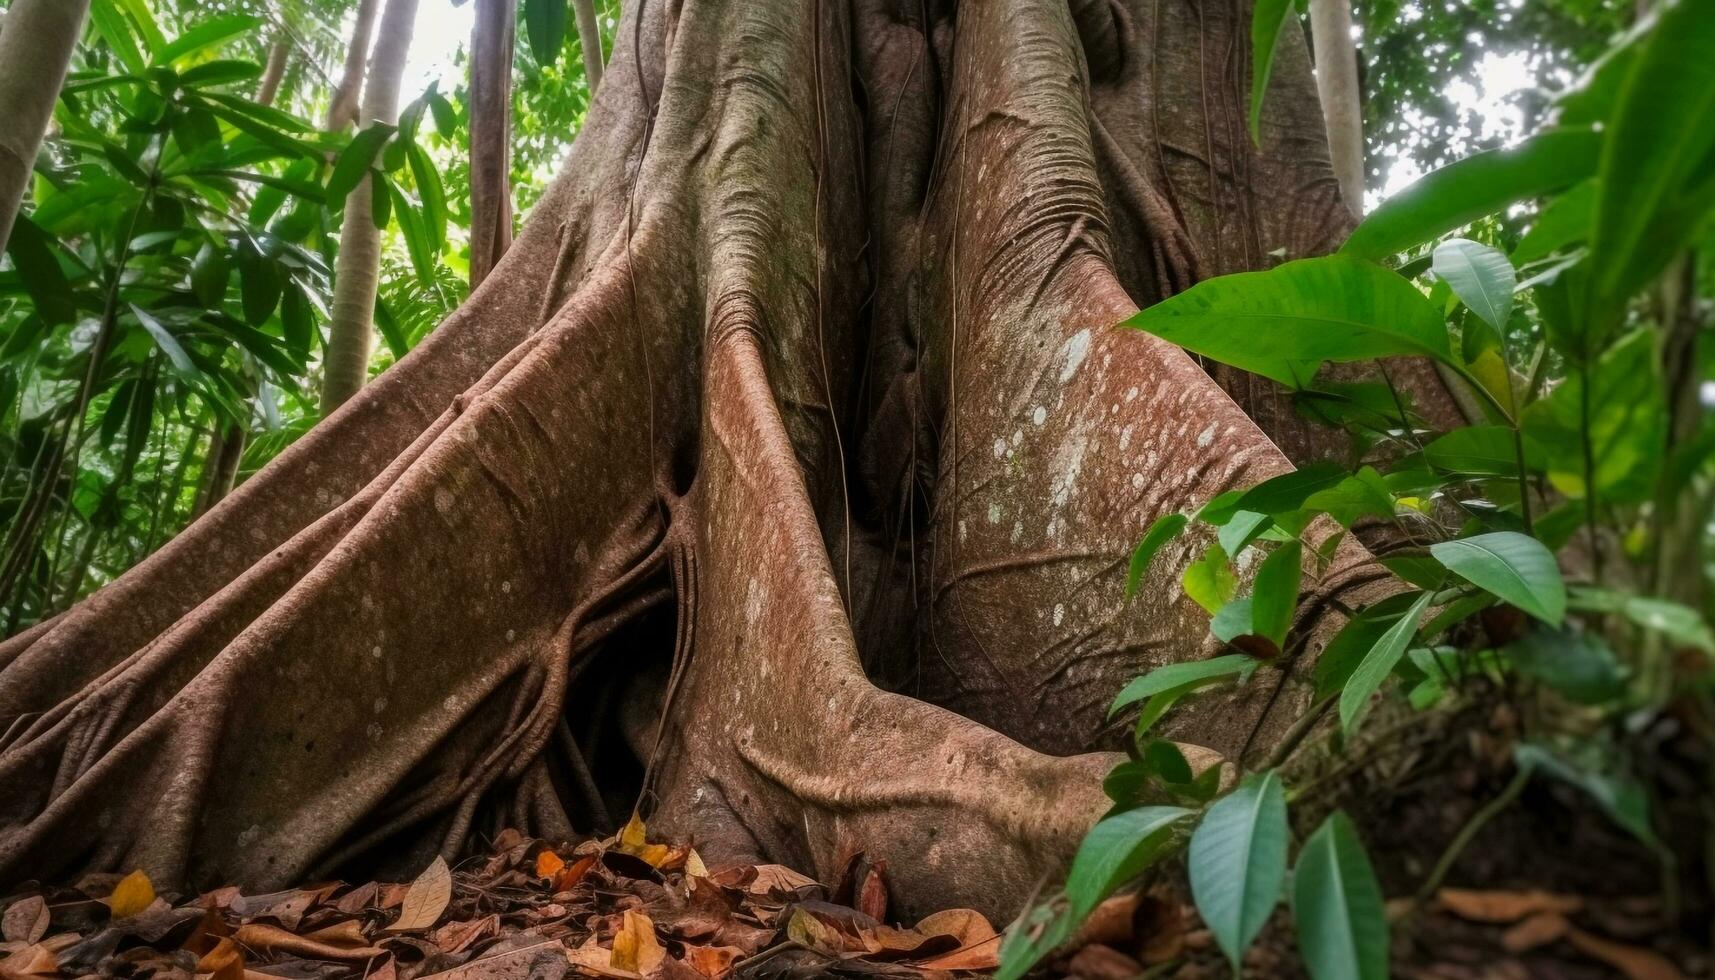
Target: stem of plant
{"points": [[1478, 820]]}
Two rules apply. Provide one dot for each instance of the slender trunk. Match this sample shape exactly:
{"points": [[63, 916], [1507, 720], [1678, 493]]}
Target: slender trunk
{"points": [[351, 329], [268, 89], [342, 108], [1337, 86], [35, 49], [589, 38], [491, 44], [220, 469]]}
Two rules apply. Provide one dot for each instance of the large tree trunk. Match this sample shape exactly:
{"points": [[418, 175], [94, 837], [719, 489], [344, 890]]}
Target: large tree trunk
{"points": [[343, 105], [351, 328], [35, 50], [795, 420], [492, 38]]}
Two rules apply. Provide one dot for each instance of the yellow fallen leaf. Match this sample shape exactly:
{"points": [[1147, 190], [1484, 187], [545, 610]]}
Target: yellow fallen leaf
{"points": [[426, 899], [635, 947], [134, 893], [631, 836], [694, 865], [655, 854]]}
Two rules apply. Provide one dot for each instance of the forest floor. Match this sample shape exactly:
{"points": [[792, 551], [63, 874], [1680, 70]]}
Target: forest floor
{"points": [[627, 908]]}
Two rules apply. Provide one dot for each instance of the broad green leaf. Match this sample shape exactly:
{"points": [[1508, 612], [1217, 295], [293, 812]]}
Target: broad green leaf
{"points": [[1164, 529], [394, 337], [1289, 491], [1420, 570], [1167, 761], [1476, 450], [1209, 580], [1267, 18], [260, 284], [1286, 321], [296, 322], [1677, 622], [209, 275], [1274, 598], [1482, 277], [206, 35], [113, 26], [32, 253], [1241, 530], [1564, 221], [1363, 494], [1337, 906], [1115, 851], [1367, 677], [433, 195], [1513, 566], [417, 241], [1621, 795], [545, 26], [355, 161], [1628, 424], [1237, 862], [1577, 663], [381, 192], [1658, 162], [219, 73], [1477, 186], [1354, 641], [1170, 676], [1233, 621], [147, 29], [166, 341]]}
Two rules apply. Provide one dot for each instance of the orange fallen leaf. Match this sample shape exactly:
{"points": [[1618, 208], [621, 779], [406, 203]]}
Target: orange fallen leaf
{"points": [[984, 955], [1504, 906], [347, 933], [635, 947], [427, 898], [36, 960], [655, 854], [273, 939], [1538, 930], [712, 961], [25, 921], [547, 863], [132, 895], [568, 877], [1635, 962], [225, 961]]}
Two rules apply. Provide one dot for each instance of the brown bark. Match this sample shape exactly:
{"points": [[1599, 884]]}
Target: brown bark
{"points": [[343, 105], [589, 39], [493, 35], [1342, 102], [220, 468], [794, 421], [35, 50], [268, 88]]}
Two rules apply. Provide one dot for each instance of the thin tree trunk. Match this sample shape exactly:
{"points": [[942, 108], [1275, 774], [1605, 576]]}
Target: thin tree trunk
{"points": [[491, 44], [351, 329], [589, 38], [268, 89], [342, 108], [220, 469], [35, 49], [1337, 86]]}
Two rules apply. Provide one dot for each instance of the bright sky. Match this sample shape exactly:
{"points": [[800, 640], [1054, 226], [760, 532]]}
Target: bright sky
{"points": [[442, 29]]}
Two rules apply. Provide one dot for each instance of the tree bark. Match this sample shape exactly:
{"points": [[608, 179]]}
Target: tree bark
{"points": [[492, 39], [1342, 100], [268, 89], [351, 330], [589, 40], [342, 106], [794, 423], [35, 51], [220, 468]]}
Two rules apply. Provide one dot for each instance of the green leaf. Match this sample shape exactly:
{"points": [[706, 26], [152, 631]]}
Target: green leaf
{"points": [[1267, 18], [166, 341], [434, 197], [1237, 862], [145, 21], [1241, 530], [1628, 424], [1286, 321], [1476, 450], [1234, 621], [1363, 494], [381, 191], [209, 273], [260, 283], [1170, 676], [32, 253], [545, 26], [1658, 182], [206, 35], [1621, 796], [1477, 186], [1564, 221], [1354, 641], [113, 27], [1516, 567], [1165, 760], [446, 120], [1115, 851], [416, 239], [1576, 663], [1275, 596], [355, 161], [296, 322], [1337, 906], [1210, 581], [1482, 277], [1367, 678], [1679, 623], [219, 73], [390, 331], [1165, 529], [1289, 491]]}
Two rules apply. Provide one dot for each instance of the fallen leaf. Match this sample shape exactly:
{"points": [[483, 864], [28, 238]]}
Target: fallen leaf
{"points": [[968, 926], [812, 933], [694, 865], [132, 895], [1098, 962], [456, 937], [1504, 906], [712, 961], [655, 854], [34, 960], [983, 955], [358, 899], [272, 939], [25, 921], [347, 933], [225, 961], [778, 878], [1538, 930], [594, 959], [1635, 962], [872, 894], [568, 877], [635, 947], [548, 863], [427, 898], [631, 836]]}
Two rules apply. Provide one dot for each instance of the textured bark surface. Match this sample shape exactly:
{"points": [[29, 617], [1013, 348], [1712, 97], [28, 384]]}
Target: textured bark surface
{"points": [[36, 42], [343, 105], [493, 35], [784, 469]]}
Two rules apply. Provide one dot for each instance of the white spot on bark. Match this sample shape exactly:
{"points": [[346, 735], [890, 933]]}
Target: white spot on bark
{"points": [[994, 513], [1137, 481], [380, 705], [1039, 415], [753, 602], [1000, 449], [1017, 436], [443, 500], [1074, 350], [1017, 531], [1131, 393], [506, 588], [1059, 612], [1206, 437], [375, 652], [1125, 437]]}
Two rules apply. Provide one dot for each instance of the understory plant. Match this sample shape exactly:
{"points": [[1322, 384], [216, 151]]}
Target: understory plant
{"points": [[1554, 551]]}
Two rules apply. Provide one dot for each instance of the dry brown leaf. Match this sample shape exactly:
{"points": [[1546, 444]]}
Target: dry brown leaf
{"points": [[694, 865], [456, 937], [1538, 930], [872, 894], [811, 932], [777, 878], [427, 898], [983, 955], [347, 933], [225, 961], [358, 899], [968, 926], [132, 895], [635, 947], [1098, 962], [712, 961], [25, 921], [34, 960], [1635, 962], [596, 961], [1504, 906], [548, 864], [273, 939], [569, 876]]}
